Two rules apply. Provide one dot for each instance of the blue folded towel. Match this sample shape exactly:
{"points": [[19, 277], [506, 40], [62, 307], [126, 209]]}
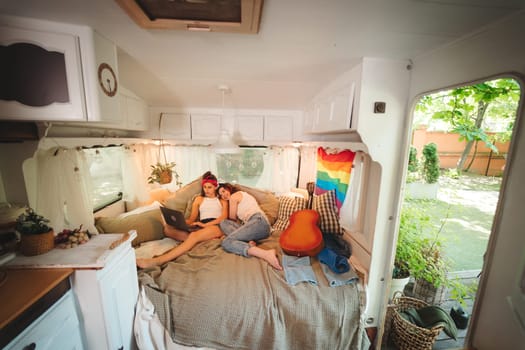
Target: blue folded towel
{"points": [[298, 269], [339, 279], [337, 263]]}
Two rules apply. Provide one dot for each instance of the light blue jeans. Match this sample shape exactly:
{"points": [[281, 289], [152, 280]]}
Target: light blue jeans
{"points": [[238, 235]]}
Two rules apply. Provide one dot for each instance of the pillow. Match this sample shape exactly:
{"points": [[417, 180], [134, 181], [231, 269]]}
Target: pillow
{"points": [[287, 206], [328, 217], [147, 224], [267, 201], [180, 199], [139, 210]]}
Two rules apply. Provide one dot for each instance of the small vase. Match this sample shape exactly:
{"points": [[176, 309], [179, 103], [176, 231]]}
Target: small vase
{"points": [[165, 177], [398, 285], [31, 245]]}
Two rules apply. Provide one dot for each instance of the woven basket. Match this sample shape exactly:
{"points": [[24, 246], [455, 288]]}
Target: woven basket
{"points": [[406, 335], [37, 244], [427, 292]]}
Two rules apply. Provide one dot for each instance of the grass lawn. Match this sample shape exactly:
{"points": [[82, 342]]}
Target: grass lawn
{"points": [[465, 210]]}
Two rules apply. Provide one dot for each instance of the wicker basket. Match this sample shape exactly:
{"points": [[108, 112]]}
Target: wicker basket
{"points": [[427, 292], [37, 244], [406, 335]]}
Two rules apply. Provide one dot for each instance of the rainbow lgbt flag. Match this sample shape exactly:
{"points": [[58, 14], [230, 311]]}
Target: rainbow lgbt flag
{"points": [[333, 173]]}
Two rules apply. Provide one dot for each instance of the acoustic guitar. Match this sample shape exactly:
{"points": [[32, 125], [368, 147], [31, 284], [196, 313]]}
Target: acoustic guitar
{"points": [[302, 237]]}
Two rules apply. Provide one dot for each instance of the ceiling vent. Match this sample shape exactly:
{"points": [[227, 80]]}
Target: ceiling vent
{"points": [[232, 16]]}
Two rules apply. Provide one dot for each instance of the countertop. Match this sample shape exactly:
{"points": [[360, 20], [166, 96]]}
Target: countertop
{"points": [[92, 255], [22, 290]]}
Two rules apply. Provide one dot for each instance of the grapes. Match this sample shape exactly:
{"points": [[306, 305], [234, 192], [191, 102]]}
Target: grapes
{"points": [[71, 238]]}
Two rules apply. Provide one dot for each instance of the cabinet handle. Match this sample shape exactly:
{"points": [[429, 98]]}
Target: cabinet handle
{"points": [[121, 348], [31, 346]]}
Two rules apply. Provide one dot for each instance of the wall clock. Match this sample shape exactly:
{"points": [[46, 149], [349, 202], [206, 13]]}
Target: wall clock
{"points": [[107, 79]]}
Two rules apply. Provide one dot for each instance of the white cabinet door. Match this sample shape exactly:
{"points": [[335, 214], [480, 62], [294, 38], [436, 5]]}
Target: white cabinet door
{"points": [[134, 112], [119, 289], [107, 298], [175, 126], [206, 127], [34, 93], [250, 127], [278, 128], [57, 328]]}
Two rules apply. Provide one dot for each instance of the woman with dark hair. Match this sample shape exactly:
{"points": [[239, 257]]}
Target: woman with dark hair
{"points": [[209, 209], [247, 224]]}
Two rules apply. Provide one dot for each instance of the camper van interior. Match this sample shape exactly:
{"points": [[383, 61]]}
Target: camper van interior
{"points": [[305, 105]]}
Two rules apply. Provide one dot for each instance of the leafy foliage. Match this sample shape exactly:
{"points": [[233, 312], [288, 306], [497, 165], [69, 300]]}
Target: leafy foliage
{"points": [[158, 170], [417, 251], [412, 159], [430, 163], [471, 111], [30, 223]]}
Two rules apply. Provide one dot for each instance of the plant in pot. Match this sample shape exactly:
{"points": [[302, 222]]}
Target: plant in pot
{"points": [[36, 236], [422, 182], [429, 268], [163, 173], [406, 249]]}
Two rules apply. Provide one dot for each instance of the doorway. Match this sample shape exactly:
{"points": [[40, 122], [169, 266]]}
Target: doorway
{"points": [[460, 138]]}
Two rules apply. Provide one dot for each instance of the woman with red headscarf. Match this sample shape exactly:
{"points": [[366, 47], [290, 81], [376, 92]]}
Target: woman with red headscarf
{"points": [[209, 209]]}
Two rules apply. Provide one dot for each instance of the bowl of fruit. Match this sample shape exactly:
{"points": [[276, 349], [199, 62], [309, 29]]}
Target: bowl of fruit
{"points": [[72, 238]]}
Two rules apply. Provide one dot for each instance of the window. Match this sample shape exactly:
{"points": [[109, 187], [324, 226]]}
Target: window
{"points": [[244, 168], [106, 175]]}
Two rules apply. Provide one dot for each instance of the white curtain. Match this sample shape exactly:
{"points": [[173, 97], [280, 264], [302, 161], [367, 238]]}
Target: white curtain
{"points": [[308, 169], [280, 170], [134, 174], [63, 192], [351, 210]]}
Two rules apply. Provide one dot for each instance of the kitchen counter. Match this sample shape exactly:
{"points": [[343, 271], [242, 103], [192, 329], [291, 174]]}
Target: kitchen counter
{"points": [[26, 294]]}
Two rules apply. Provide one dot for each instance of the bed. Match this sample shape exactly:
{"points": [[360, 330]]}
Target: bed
{"points": [[208, 298]]}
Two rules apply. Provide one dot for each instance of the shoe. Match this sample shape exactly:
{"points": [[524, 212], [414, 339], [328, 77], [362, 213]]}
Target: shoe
{"points": [[460, 317]]}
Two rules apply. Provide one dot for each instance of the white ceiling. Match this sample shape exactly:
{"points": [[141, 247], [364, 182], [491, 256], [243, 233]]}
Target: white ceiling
{"points": [[301, 45]]}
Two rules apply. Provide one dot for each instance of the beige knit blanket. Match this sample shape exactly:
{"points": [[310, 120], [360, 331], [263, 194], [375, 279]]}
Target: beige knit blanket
{"points": [[224, 301]]}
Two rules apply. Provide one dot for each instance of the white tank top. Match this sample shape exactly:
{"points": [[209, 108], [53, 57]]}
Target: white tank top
{"points": [[247, 207], [210, 208]]}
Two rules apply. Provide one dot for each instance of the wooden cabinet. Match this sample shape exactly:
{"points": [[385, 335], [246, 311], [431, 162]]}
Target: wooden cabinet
{"points": [[175, 126], [133, 110], [278, 128], [43, 76], [347, 103], [57, 328], [104, 284], [57, 72], [205, 127], [250, 127], [107, 299]]}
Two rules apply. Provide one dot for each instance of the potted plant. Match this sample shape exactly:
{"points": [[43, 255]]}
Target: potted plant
{"points": [[406, 249], [422, 178], [36, 236], [163, 173], [429, 267]]}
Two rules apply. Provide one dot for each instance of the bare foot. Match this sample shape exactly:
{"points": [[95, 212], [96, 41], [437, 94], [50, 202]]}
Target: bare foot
{"points": [[252, 243], [270, 256], [145, 263]]}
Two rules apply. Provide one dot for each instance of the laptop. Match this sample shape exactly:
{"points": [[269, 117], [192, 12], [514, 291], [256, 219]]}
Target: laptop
{"points": [[176, 219]]}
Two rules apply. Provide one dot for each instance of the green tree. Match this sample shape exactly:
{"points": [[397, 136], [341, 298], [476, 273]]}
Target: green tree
{"points": [[466, 110]]}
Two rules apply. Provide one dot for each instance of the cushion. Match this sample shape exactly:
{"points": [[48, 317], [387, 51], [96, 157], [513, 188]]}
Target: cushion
{"points": [[180, 199], [155, 195], [328, 217], [267, 201], [287, 206], [147, 224]]}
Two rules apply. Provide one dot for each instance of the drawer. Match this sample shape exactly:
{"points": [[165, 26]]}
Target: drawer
{"points": [[57, 328]]}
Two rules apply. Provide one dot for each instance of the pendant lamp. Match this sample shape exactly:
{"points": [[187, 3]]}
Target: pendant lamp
{"points": [[225, 143]]}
